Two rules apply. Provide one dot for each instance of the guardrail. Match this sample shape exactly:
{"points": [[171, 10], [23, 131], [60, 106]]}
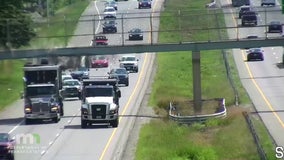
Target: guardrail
{"points": [[260, 150], [175, 116]]}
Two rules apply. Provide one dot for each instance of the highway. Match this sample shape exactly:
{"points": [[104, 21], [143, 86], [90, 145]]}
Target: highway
{"points": [[66, 139], [263, 80]]}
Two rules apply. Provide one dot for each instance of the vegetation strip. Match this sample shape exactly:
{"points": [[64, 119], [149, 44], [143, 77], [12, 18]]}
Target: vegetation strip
{"points": [[216, 139]]}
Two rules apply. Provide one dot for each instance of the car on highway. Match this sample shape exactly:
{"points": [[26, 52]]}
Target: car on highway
{"points": [[275, 27], [255, 54], [109, 27], [129, 62], [111, 4], [71, 88], [243, 9], [80, 73], [249, 18], [99, 61], [135, 34], [109, 13], [268, 2], [100, 40], [144, 4], [67, 76], [7, 146], [121, 74]]}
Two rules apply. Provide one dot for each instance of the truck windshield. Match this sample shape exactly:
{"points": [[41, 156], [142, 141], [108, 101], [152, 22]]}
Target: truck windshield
{"points": [[99, 92], [40, 90]]}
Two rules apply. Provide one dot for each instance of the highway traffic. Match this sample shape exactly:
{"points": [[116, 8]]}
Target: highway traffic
{"points": [[66, 139], [263, 80]]}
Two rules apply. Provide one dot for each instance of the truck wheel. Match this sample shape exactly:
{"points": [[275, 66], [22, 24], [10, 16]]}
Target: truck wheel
{"points": [[61, 111], [28, 121], [11, 156], [114, 123], [56, 120], [84, 124]]}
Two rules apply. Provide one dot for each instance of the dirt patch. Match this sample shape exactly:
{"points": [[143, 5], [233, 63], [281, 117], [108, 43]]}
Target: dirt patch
{"points": [[186, 107]]}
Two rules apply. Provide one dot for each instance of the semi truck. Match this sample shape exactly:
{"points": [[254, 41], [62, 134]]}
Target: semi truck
{"points": [[239, 3], [100, 102], [42, 99]]}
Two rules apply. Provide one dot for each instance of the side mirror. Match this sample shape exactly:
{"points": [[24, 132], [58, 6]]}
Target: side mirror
{"points": [[119, 60], [137, 59], [119, 94], [108, 73]]}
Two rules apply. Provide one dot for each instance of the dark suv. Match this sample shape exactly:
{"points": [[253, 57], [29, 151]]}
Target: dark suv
{"points": [[144, 4], [275, 27], [7, 146], [109, 27], [243, 9], [249, 18]]}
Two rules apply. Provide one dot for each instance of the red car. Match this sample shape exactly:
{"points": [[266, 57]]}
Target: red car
{"points": [[7, 146], [99, 61]]}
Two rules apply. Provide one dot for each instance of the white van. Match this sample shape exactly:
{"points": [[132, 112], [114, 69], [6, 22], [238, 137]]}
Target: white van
{"points": [[268, 2]]}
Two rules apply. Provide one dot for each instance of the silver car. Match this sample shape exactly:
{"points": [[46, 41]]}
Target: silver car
{"points": [[111, 4]]}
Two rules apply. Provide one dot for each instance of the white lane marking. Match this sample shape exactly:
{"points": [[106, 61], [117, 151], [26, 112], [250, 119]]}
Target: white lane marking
{"points": [[97, 9], [57, 135], [43, 152], [14, 128]]}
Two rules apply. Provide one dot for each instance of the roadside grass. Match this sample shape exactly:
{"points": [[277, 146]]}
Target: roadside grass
{"points": [[57, 31], [264, 138], [222, 139], [11, 82]]}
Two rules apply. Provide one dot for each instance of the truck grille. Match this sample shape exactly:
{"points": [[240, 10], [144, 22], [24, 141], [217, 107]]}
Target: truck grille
{"points": [[40, 107], [3, 150], [128, 64], [71, 90], [99, 111]]}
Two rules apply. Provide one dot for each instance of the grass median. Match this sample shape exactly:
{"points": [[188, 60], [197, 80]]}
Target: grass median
{"points": [[11, 82], [220, 139]]}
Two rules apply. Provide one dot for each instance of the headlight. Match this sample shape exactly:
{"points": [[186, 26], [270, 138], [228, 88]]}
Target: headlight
{"points": [[28, 110], [113, 111], [54, 109], [84, 111]]}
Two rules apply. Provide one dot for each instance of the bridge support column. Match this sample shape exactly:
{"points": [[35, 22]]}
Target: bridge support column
{"points": [[196, 71]]}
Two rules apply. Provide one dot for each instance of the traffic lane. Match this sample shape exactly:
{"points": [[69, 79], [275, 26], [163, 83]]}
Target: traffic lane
{"points": [[12, 122], [95, 138], [11, 116], [47, 131], [85, 28], [122, 14], [270, 119]]}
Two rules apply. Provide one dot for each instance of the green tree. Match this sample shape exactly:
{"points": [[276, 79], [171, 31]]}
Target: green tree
{"points": [[15, 26]]}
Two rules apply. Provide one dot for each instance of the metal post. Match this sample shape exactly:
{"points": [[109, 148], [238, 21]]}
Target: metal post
{"points": [[265, 22], [179, 26], [65, 31], [151, 29], [196, 81], [47, 12], [122, 30], [8, 36]]}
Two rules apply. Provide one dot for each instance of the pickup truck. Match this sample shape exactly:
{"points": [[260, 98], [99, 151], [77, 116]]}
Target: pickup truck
{"points": [[100, 40]]}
